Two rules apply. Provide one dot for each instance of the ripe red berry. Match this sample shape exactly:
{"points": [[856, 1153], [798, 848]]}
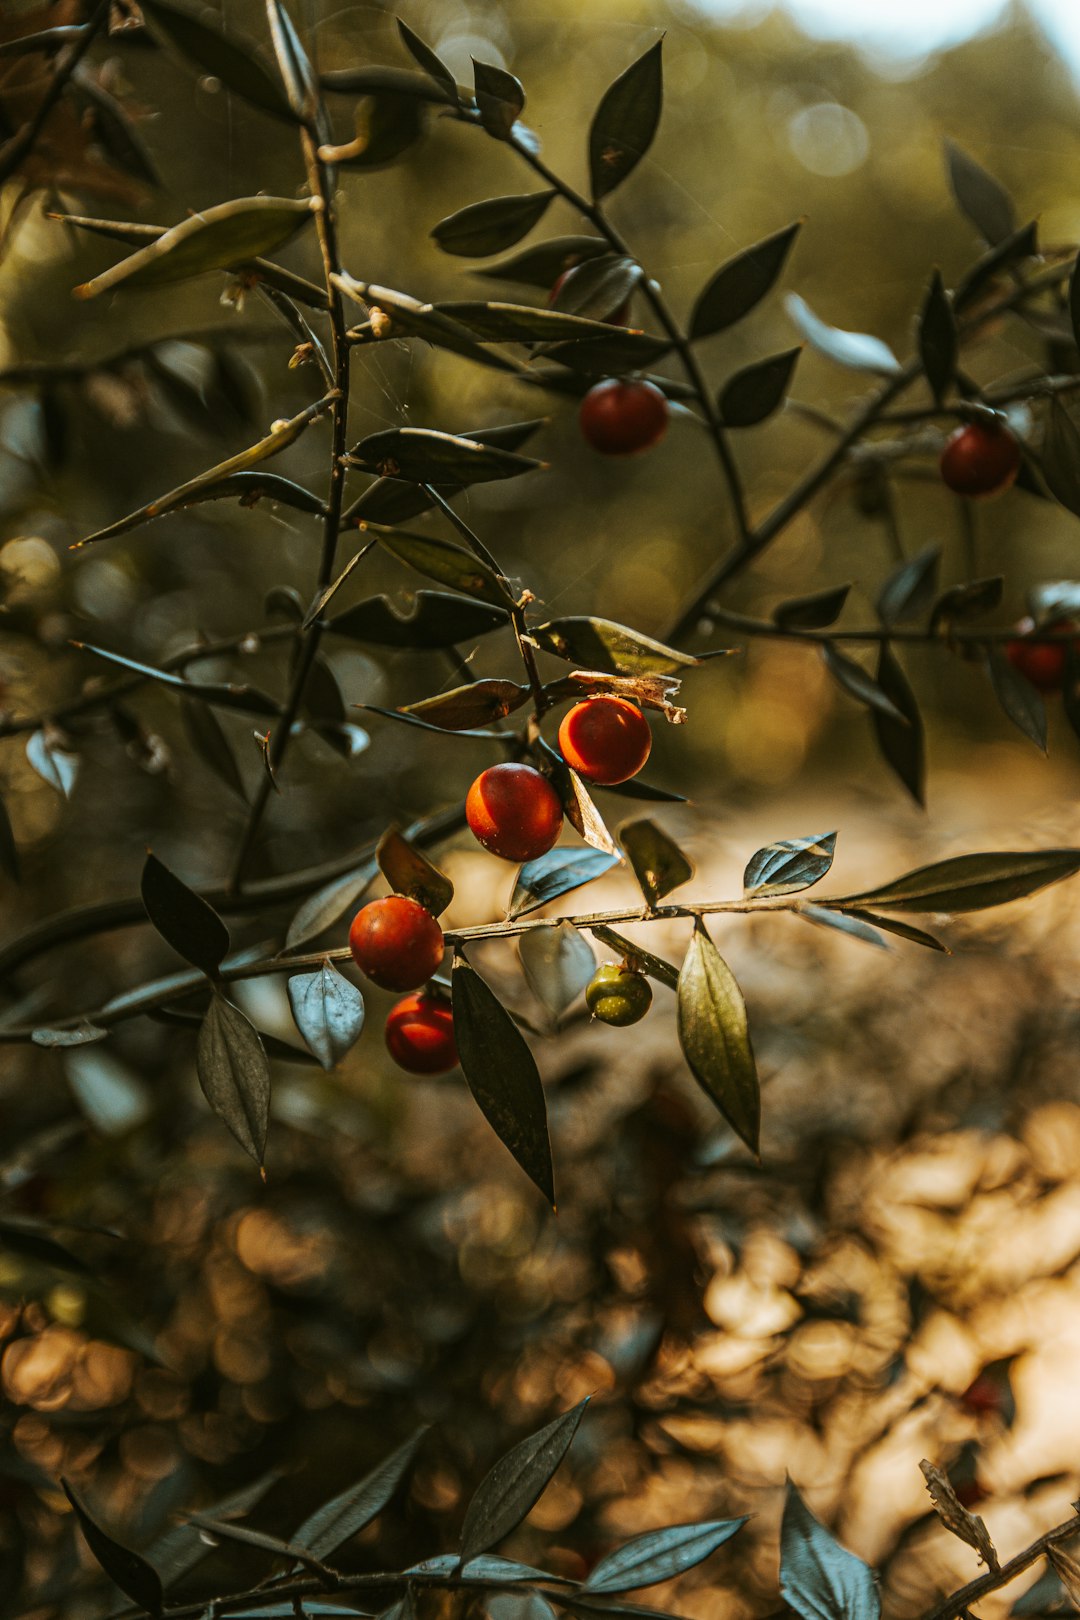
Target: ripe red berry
{"points": [[605, 739], [1042, 663], [617, 317], [396, 943], [980, 458], [621, 418], [420, 1034], [514, 812]]}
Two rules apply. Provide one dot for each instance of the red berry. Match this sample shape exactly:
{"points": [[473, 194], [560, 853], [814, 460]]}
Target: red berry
{"points": [[514, 812], [1042, 663], [983, 1394], [621, 418], [420, 1034], [396, 943], [605, 739], [617, 317], [980, 458]]}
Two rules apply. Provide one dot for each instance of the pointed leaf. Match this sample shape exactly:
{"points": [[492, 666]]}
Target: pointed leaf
{"points": [[337, 1521], [216, 239], [714, 1037], [445, 563], [492, 226], [234, 1074], [522, 323], [298, 75], [659, 864], [329, 1012], [248, 699], [476, 704], [389, 501], [515, 1484], [322, 909], [754, 393], [210, 743], [55, 766], [409, 872], [909, 590], [599, 287], [615, 355], [1022, 702], [789, 865], [426, 457], [429, 620], [982, 198], [500, 100], [972, 882], [902, 742], [603, 645], [556, 874], [136, 1578], [433, 65], [660, 1555], [859, 351], [820, 1579], [183, 918], [938, 340], [814, 612], [856, 681], [542, 263], [741, 283], [968, 601], [1023, 244], [853, 923], [502, 1076], [558, 963], [905, 930], [237, 66], [625, 122]]}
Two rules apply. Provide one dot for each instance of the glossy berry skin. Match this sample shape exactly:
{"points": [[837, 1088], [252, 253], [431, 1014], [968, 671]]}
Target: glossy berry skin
{"points": [[396, 943], [617, 995], [1043, 664], [514, 812], [605, 739], [980, 458], [623, 418], [618, 317], [420, 1034]]}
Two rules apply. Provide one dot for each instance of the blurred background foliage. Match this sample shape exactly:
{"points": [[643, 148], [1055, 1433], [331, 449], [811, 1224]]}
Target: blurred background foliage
{"points": [[917, 1218]]}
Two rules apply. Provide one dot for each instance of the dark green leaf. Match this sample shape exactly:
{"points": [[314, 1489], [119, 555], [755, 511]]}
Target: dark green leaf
{"points": [[137, 1579], [515, 1484], [855, 923], [660, 1555], [424, 456], [502, 1076], [491, 226], [54, 765], [626, 122], [435, 620], [113, 130], [905, 930], [478, 703], [644, 961], [301, 85], [1022, 702], [237, 66], [909, 589], [1061, 457], [248, 699], [234, 1074], [982, 198], [659, 864], [858, 683], [390, 501], [433, 65], [9, 850], [814, 612], [31, 1242], [445, 563], [1023, 244], [857, 350], [210, 743], [603, 645], [426, 725], [322, 909], [741, 283], [488, 1567], [635, 788], [789, 865], [757, 391], [902, 742], [972, 882], [818, 1577], [542, 263], [611, 356], [968, 601], [337, 1521], [408, 871], [600, 287], [183, 918], [223, 236], [938, 340], [329, 1012], [556, 874], [714, 1037], [500, 100]]}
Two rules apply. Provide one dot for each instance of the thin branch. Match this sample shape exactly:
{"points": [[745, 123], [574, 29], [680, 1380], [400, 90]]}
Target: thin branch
{"points": [[22, 143], [951, 1607]]}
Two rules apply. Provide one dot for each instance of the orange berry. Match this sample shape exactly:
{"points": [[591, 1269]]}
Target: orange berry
{"points": [[420, 1034], [396, 942], [514, 812], [622, 418], [605, 739]]}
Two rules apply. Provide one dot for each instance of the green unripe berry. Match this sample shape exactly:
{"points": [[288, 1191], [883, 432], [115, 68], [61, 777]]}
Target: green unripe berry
{"points": [[617, 995]]}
